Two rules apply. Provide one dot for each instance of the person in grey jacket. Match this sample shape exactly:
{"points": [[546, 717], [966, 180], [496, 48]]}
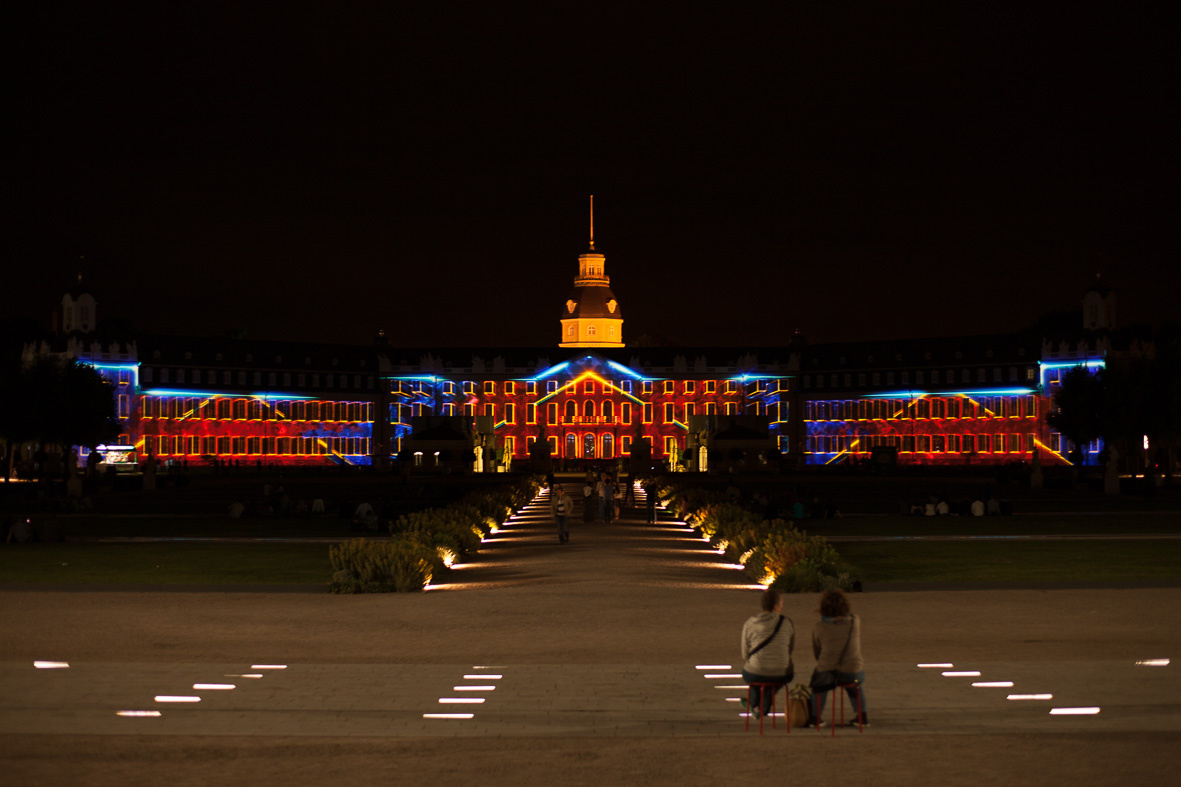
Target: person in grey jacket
{"points": [[836, 644], [767, 642]]}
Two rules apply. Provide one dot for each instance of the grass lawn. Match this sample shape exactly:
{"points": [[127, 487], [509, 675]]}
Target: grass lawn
{"points": [[166, 564], [1015, 561], [1131, 522]]}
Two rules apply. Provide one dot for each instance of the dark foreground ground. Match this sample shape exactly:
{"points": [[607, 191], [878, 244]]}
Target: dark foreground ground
{"points": [[598, 644]]}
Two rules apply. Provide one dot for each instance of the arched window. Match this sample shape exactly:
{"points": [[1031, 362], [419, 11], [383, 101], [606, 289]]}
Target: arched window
{"points": [[608, 412], [590, 330], [571, 410], [608, 446], [588, 409]]}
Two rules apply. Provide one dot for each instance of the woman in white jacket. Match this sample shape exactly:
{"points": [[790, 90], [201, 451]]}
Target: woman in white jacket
{"points": [[767, 642]]}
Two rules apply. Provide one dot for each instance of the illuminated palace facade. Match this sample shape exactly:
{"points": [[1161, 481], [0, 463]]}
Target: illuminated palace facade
{"points": [[950, 401]]}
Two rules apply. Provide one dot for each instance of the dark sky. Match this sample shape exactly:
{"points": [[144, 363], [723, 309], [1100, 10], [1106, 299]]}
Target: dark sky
{"points": [[896, 171]]}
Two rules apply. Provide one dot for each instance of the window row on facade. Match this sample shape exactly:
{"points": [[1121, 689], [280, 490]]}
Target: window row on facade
{"points": [[588, 386], [923, 443], [189, 445], [958, 407], [252, 409]]}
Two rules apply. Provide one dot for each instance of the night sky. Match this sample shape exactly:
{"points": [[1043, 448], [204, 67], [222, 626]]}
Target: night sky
{"points": [[891, 172]]}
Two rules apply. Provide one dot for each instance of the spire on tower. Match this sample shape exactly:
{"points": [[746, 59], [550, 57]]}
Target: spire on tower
{"points": [[592, 222]]}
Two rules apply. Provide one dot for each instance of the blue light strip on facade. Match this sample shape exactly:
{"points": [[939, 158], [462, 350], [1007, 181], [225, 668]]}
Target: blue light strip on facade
{"points": [[919, 394], [550, 371], [212, 394], [626, 370]]}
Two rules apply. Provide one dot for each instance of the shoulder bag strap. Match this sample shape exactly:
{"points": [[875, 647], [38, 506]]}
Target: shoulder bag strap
{"points": [[763, 644]]}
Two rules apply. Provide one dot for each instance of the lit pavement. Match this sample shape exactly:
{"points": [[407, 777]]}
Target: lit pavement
{"points": [[596, 639]]}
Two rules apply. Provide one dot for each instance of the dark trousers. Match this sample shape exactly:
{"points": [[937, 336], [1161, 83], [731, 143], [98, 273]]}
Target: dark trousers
{"points": [[758, 697]]}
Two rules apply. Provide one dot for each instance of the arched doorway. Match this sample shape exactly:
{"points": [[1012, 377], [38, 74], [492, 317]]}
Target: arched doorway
{"points": [[608, 446], [588, 446], [571, 445]]}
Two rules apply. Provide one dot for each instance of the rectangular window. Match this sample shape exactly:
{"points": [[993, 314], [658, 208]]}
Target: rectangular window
{"points": [[711, 386], [646, 387], [625, 386], [670, 448], [588, 386], [530, 413], [690, 385], [490, 409], [551, 386], [730, 408], [938, 444], [711, 408], [531, 388], [469, 410], [625, 445], [647, 413], [510, 413], [571, 387], [908, 443], [670, 386], [625, 412], [690, 409], [669, 412], [469, 387], [510, 388], [553, 445], [489, 386]]}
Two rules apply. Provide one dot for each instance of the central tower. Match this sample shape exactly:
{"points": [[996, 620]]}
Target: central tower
{"points": [[591, 317]]}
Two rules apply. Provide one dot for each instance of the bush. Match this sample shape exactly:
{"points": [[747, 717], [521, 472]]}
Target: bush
{"points": [[361, 566], [794, 562]]}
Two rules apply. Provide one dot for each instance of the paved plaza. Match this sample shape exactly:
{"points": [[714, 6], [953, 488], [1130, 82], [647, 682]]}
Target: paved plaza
{"points": [[611, 659]]}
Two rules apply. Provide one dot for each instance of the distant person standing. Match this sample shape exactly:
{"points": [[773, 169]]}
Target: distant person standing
{"points": [[561, 505], [609, 498], [650, 494], [588, 501]]}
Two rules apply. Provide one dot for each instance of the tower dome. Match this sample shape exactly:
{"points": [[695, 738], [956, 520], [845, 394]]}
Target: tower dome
{"points": [[591, 315]]}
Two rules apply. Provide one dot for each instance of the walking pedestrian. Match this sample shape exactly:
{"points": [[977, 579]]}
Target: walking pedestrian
{"points": [[650, 494], [561, 506]]}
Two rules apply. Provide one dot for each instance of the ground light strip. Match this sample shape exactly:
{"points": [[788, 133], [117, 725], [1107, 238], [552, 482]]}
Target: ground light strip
{"points": [[717, 676], [174, 698], [713, 666], [482, 677], [213, 686], [268, 666], [1030, 697], [948, 665], [138, 713], [51, 664], [962, 674], [448, 715], [1074, 711], [460, 700], [994, 684], [1153, 663], [473, 688]]}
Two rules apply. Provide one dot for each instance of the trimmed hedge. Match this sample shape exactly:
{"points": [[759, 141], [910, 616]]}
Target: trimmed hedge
{"points": [[426, 543], [772, 551]]}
